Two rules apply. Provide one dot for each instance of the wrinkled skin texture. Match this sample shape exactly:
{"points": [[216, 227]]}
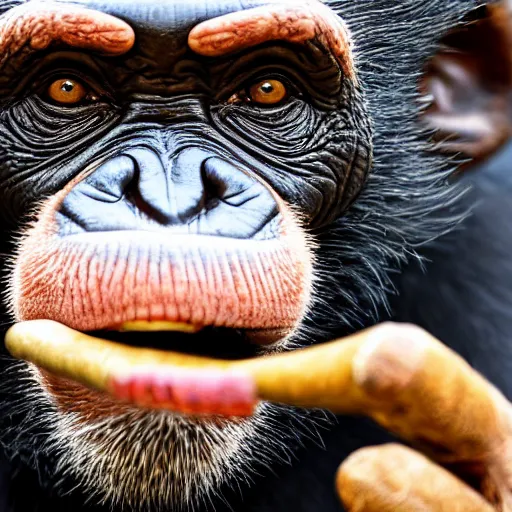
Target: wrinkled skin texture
{"points": [[160, 145]]}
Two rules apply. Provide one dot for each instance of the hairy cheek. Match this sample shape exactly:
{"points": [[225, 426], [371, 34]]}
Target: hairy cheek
{"points": [[100, 280]]}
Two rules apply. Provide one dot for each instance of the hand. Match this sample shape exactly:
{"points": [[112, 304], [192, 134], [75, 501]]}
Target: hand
{"points": [[425, 393], [396, 374]]}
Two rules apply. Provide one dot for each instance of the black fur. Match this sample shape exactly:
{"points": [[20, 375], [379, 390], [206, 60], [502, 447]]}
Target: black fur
{"points": [[463, 294], [407, 202]]}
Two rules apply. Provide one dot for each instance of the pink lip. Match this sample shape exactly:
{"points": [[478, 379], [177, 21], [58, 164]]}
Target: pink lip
{"points": [[88, 285]]}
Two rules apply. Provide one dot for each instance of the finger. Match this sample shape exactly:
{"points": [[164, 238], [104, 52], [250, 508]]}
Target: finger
{"points": [[403, 378], [427, 393], [393, 478], [415, 387], [397, 374]]}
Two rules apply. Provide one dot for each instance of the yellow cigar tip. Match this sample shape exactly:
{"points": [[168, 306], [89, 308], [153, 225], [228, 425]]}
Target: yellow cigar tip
{"points": [[148, 326], [22, 332]]}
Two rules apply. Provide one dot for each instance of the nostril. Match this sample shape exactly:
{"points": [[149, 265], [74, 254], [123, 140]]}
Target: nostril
{"points": [[133, 196], [236, 204], [214, 187], [223, 181], [213, 184]]}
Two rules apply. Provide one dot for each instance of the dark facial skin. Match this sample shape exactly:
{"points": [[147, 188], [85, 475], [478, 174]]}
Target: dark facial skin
{"points": [[147, 192], [170, 109], [169, 140]]}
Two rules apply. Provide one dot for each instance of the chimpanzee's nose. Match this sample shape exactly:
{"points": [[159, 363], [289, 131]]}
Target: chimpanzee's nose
{"points": [[194, 192]]}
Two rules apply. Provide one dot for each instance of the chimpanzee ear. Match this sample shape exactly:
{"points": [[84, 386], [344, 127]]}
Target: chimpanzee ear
{"points": [[469, 82]]}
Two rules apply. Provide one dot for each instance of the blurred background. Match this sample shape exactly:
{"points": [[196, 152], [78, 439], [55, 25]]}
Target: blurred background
{"points": [[468, 86], [467, 95]]}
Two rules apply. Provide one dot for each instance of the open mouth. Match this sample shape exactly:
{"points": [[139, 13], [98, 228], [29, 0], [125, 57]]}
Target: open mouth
{"points": [[190, 383], [159, 319], [158, 332], [212, 342], [162, 365]]}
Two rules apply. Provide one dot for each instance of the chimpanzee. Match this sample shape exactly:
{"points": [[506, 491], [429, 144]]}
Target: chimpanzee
{"points": [[251, 175]]}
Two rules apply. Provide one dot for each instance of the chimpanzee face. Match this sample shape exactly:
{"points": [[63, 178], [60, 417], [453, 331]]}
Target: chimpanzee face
{"points": [[195, 176], [167, 165]]}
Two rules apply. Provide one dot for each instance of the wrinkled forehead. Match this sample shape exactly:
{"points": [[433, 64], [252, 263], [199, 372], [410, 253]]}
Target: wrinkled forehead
{"points": [[209, 28], [170, 21], [172, 16]]}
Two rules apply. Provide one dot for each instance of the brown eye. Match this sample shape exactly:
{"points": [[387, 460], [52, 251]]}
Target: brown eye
{"points": [[67, 91], [268, 92]]}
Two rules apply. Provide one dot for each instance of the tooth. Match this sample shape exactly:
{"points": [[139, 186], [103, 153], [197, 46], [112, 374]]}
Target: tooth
{"points": [[145, 326]]}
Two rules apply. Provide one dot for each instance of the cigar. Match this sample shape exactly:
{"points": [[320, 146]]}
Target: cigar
{"points": [[400, 376], [193, 384]]}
